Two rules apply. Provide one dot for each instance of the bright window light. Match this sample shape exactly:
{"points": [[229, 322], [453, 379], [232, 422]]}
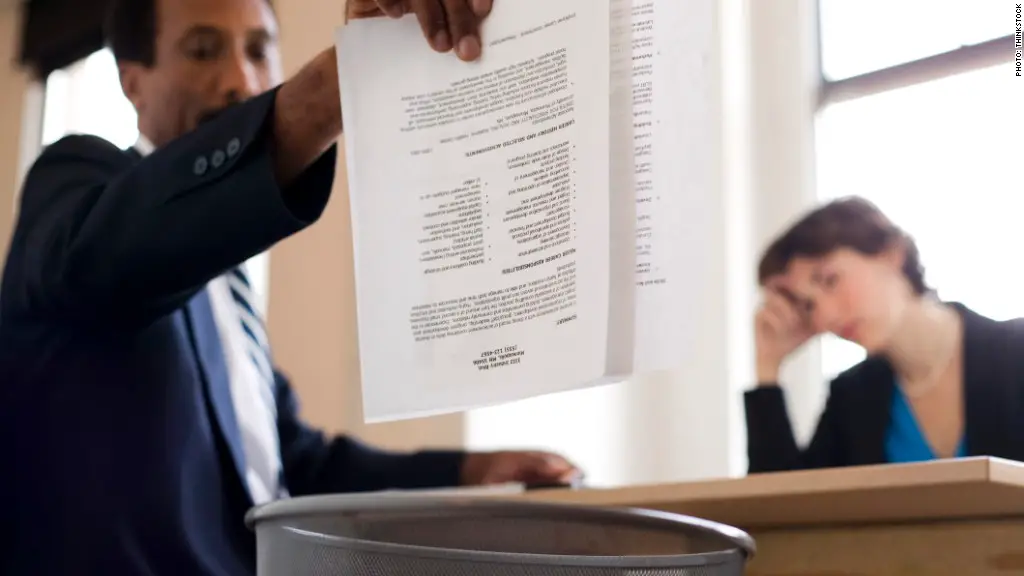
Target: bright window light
{"points": [[859, 36], [86, 98], [939, 159]]}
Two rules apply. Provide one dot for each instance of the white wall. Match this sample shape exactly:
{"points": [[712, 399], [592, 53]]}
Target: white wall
{"points": [[785, 79], [20, 101], [689, 423]]}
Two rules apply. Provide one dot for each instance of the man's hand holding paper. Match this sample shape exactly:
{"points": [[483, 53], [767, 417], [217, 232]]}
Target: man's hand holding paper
{"points": [[446, 24], [307, 120], [527, 242]]}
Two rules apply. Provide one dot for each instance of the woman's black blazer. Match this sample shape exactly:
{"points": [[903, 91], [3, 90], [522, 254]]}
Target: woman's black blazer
{"points": [[852, 427]]}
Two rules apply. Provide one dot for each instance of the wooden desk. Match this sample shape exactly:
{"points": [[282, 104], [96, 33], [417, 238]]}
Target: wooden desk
{"points": [[958, 517]]}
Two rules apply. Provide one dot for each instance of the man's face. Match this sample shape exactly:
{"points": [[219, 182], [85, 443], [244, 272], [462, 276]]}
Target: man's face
{"points": [[209, 54]]}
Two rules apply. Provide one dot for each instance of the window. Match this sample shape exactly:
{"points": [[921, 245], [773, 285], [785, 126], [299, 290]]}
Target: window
{"points": [[860, 36], [936, 156], [86, 98]]}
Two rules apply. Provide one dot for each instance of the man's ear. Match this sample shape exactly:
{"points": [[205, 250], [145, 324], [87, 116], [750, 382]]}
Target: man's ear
{"points": [[131, 76]]}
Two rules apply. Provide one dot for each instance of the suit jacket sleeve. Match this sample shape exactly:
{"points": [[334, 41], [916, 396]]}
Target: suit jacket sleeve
{"points": [[771, 444], [316, 464], [106, 238]]}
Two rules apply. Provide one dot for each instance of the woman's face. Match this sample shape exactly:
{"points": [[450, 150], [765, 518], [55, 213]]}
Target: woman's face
{"points": [[857, 297]]}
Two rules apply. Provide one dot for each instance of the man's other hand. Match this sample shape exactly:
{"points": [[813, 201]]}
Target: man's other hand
{"points": [[446, 24], [481, 468]]}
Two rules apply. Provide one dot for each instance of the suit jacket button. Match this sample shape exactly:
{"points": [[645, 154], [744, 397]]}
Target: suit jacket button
{"points": [[217, 159], [200, 166], [233, 147]]}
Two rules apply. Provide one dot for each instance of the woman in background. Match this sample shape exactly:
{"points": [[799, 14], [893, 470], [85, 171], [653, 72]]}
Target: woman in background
{"points": [[939, 380]]}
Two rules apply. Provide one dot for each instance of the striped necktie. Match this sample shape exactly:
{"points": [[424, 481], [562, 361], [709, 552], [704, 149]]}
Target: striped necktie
{"points": [[256, 341]]}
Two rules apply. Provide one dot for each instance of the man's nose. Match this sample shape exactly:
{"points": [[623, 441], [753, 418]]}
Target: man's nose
{"points": [[239, 80]]}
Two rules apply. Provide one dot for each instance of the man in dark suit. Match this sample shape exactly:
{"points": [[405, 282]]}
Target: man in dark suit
{"points": [[141, 415]]}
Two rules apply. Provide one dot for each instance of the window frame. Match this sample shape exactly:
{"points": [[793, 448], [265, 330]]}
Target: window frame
{"points": [[965, 59], [958, 61]]}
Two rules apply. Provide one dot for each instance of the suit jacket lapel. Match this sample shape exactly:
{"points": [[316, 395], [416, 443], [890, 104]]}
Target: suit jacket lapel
{"points": [[986, 413], [874, 412], [210, 353]]}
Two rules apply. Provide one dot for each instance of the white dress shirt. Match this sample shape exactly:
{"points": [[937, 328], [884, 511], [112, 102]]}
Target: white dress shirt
{"points": [[256, 422]]}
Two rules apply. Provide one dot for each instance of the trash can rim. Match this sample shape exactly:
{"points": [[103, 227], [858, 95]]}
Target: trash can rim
{"points": [[320, 505], [632, 562]]}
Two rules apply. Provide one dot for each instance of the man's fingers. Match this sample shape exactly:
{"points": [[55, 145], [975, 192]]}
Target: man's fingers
{"points": [[393, 8], [446, 24], [481, 8], [555, 464], [430, 14], [462, 26], [548, 467]]}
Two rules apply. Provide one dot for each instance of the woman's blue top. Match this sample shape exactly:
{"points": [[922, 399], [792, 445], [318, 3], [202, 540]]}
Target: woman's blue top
{"points": [[904, 441]]}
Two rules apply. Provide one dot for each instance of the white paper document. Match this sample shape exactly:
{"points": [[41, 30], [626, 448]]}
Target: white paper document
{"points": [[505, 212], [675, 135]]}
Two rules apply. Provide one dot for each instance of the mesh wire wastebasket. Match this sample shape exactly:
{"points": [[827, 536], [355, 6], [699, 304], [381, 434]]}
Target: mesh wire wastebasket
{"points": [[389, 535]]}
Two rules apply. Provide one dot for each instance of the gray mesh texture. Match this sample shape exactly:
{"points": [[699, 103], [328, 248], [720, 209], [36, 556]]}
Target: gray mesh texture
{"points": [[451, 538]]}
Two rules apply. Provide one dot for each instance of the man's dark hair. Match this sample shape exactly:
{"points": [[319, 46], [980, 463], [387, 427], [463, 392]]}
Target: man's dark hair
{"points": [[131, 30], [852, 223]]}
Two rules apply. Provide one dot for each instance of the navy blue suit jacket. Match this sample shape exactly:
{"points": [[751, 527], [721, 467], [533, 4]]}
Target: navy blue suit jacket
{"points": [[119, 437]]}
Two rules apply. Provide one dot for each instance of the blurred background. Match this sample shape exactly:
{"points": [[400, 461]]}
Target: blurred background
{"points": [[912, 104]]}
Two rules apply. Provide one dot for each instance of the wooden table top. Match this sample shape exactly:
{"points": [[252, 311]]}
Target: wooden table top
{"points": [[966, 488]]}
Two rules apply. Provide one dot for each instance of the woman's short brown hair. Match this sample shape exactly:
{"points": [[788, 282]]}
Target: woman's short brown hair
{"points": [[852, 223]]}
